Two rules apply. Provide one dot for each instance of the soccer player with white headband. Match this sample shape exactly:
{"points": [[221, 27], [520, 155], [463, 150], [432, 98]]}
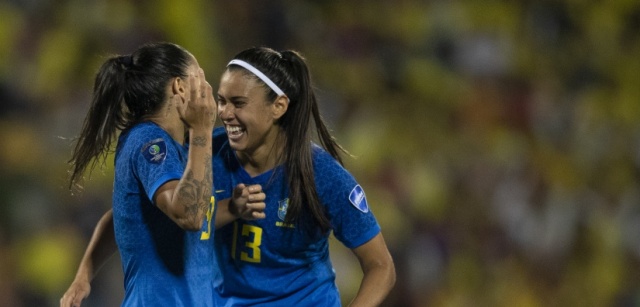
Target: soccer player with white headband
{"points": [[283, 260]]}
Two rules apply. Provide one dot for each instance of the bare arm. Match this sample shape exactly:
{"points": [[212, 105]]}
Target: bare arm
{"points": [[186, 201], [379, 272], [101, 247]]}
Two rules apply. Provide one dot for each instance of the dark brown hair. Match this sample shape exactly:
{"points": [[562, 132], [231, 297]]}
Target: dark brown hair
{"points": [[126, 89], [289, 71]]}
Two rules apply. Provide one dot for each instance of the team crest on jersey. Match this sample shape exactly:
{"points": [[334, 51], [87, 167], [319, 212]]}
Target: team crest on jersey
{"points": [[155, 151], [358, 199], [282, 208]]}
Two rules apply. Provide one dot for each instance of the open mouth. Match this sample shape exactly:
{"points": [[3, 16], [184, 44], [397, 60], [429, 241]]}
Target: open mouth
{"points": [[234, 132]]}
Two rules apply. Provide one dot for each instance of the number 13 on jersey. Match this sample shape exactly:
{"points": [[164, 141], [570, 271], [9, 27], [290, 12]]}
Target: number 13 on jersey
{"points": [[246, 242]]}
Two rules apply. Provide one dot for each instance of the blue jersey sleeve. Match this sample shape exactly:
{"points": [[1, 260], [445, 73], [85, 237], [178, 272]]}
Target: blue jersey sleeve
{"points": [[352, 221], [156, 159]]}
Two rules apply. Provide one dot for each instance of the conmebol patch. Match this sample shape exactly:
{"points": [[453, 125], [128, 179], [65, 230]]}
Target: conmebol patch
{"points": [[358, 199], [155, 151]]}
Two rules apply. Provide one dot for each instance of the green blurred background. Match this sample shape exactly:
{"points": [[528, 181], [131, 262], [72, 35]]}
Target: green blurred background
{"points": [[498, 141]]}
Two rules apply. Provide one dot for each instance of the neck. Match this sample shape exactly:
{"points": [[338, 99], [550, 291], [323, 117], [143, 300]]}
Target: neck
{"points": [[174, 127], [264, 158]]}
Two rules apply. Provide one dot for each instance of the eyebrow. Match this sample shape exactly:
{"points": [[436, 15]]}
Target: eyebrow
{"points": [[231, 98]]}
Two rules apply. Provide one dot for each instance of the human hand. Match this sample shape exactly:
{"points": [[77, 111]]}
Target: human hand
{"points": [[78, 291], [200, 110], [247, 202]]}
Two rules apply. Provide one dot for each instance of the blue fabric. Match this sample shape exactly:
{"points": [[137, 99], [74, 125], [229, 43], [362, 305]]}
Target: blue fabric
{"points": [[269, 263], [163, 264]]}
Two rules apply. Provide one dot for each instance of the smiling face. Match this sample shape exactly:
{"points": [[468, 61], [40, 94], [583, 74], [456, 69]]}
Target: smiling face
{"points": [[249, 118]]}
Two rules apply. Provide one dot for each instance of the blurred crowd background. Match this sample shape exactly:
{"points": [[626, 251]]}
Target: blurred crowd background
{"points": [[498, 142]]}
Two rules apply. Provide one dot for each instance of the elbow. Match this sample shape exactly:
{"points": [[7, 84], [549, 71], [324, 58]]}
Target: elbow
{"points": [[392, 275], [388, 272], [385, 272], [390, 269], [190, 224], [189, 218]]}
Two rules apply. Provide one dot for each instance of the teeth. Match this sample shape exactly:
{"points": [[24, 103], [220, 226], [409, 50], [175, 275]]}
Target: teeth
{"points": [[233, 129]]}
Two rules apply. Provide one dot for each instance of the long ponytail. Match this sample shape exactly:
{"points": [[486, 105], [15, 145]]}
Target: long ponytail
{"points": [[126, 90], [106, 115]]}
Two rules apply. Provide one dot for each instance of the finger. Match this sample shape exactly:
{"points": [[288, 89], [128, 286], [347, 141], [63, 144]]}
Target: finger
{"points": [[210, 100], [210, 92], [257, 206], [65, 301], [257, 197], [203, 83], [207, 91], [258, 215], [255, 188], [77, 301], [193, 88], [239, 190]]}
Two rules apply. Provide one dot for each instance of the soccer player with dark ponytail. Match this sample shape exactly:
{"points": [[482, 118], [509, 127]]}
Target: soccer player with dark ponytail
{"points": [[269, 112], [152, 98], [154, 101]]}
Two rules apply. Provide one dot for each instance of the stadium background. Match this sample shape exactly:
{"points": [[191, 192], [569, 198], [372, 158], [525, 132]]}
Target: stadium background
{"points": [[498, 142]]}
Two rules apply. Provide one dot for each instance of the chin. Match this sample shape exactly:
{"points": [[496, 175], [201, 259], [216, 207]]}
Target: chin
{"points": [[235, 146]]}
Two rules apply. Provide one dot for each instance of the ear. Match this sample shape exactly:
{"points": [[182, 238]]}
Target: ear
{"points": [[280, 106], [178, 87], [178, 94]]}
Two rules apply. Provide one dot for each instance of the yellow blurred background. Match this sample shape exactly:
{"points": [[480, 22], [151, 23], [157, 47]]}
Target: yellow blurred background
{"points": [[498, 142]]}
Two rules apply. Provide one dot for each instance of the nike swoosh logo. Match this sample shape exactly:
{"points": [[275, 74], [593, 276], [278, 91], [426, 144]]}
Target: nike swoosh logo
{"points": [[219, 191]]}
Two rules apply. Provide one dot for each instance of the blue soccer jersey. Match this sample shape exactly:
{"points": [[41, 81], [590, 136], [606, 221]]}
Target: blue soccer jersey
{"points": [[269, 263], [163, 264]]}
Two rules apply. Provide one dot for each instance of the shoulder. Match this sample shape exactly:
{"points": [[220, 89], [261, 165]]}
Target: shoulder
{"points": [[143, 133], [147, 138], [329, 174], [323, 161], [219, 133], [219, 139]]}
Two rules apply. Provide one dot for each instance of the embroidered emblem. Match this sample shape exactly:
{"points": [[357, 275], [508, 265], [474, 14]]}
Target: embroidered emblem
{"points": [[358, 199], [282, 208], [155, 151]]}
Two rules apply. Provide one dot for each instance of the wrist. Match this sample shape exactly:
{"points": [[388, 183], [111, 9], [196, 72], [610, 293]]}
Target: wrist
{"points": [[233, 209], [200, 131], [200, 139], [83, 276]]}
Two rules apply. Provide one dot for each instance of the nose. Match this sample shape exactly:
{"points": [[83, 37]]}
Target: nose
{"points": [[225, 111]]}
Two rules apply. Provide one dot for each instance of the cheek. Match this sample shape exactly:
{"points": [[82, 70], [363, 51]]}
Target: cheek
{"points": [[257, 116]]}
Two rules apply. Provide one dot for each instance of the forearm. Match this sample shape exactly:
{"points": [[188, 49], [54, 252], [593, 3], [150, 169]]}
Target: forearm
{"points": [[379, 273], [377, 282], [192, 196], [101, 247], [224, 214]]}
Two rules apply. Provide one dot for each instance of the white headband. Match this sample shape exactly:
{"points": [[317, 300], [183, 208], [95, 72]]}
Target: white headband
{"points": [[258, 74]]}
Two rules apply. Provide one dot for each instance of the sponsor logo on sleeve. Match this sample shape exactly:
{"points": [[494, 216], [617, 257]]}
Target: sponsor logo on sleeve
{"points": [[155, 151], [358, 199]]}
